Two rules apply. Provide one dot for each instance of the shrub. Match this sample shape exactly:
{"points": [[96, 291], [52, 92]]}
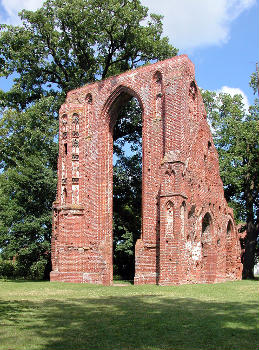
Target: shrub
{"points": [[7, 268], [37, 269]]}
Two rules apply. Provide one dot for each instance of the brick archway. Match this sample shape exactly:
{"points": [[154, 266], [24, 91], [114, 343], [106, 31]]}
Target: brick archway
{"points": [[209, 256], [178, 167], [119, 97], [230, 250]]}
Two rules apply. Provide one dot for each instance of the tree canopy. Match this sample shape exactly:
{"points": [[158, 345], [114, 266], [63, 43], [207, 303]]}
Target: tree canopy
{"points": [[27, 184], [236, 136], [68, 43]]}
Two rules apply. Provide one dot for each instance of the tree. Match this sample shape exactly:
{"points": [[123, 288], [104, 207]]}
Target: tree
{"points": [[127, 180], [75, 42], [28, 152], [63, 45], [236, 136]]}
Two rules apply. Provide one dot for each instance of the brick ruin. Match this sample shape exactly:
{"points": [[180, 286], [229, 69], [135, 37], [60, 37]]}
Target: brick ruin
{"points": [[188, 230]]}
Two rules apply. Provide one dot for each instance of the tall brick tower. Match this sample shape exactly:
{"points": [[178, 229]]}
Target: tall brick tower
{"points": [[188, 231]]}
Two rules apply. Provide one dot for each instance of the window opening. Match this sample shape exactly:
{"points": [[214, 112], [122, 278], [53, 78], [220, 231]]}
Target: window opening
{"points": [[127, 188]]}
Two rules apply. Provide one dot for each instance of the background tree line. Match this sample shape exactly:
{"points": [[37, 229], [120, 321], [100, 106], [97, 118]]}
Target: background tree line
{"points": [[64, 45], [236, 137]]}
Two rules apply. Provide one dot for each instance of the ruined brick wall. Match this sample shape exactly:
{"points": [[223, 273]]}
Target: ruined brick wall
{"points": [[188, 231]]}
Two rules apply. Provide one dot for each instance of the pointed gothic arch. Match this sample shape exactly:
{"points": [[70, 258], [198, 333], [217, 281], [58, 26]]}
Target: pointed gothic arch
{"points": [[174, 132], [208, 249]]}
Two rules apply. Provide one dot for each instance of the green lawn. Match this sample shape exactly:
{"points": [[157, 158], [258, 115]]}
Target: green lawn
{"points": [[50, 316]]}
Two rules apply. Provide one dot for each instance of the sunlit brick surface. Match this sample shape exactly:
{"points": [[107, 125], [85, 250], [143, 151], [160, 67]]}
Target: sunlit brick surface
{"points": [[188, 231]]}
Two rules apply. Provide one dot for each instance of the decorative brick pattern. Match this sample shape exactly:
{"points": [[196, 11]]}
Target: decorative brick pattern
{"points": [[188, 230]]}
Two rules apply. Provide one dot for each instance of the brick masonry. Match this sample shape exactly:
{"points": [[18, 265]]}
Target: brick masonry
{"points": [[188, 230]]}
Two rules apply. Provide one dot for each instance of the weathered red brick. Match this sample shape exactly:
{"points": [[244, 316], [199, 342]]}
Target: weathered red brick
{"points": [[188, 230]]}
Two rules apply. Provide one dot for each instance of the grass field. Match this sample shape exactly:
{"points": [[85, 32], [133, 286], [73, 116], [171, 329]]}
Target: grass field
{"points": [[50, 316]]}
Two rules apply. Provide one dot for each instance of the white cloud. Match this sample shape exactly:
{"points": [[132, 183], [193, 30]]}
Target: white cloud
{"points": [[188, 23], [235, 91], [197, 23], [12, 7]]}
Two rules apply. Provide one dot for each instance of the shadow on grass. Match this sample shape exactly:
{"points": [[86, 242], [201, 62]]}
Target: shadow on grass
{"points": [[21, 280], [133, 322]]}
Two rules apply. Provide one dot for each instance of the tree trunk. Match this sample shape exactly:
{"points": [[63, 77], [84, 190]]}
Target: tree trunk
{"points": [[250, 246], [249, 255]]}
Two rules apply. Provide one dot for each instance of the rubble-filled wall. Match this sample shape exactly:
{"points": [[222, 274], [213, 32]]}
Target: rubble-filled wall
{"points": [[188, 231]]}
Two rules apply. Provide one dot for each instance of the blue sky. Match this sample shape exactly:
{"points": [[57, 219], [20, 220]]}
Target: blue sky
{"points": [[219, 36], [232, 63]]}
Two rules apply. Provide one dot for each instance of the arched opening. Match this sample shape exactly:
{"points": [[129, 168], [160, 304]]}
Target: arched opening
{"points": [[75, 125], [64, 196], [168, 180], [193, 90], [126, 129], [229, 249], [169, 217], [206, 226], [182, 213], [208, 253]]}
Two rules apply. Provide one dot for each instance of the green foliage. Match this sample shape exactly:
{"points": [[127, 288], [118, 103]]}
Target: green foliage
{"points": [[28, 181], [37, 269], [127, 178], [61, 46], [7, 269], [254, 81], [15, 269], [236, 136], [75, 42]]}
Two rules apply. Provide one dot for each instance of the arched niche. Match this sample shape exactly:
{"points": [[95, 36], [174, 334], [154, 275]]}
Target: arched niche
{"points": [[192, 100], [64, 123], [63, 195], [193, 90], [230, 252], [168, 182], [75, 125], [157, 77], [169, 217], [230, 228], [158, 95], [208, 252], [89, 98], [206, 227], [182, 213]]}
